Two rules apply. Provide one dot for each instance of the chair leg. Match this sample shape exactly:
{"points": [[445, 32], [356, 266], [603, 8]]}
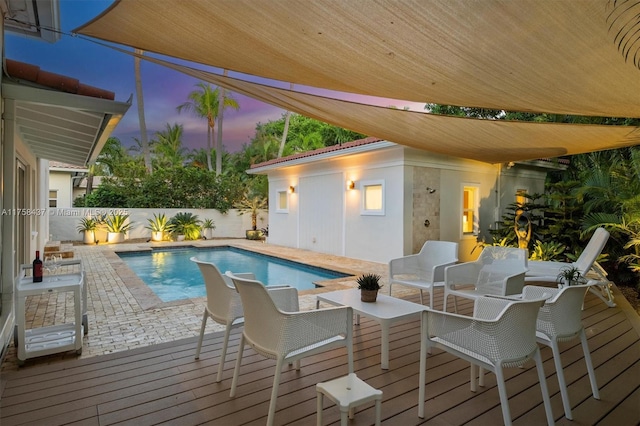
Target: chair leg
{"points": [[223, 356], [236, 370], [421, 301], [202, 327], [564, 393], [431, 298], [543, 387], [274, 392], [587, 360], [423, 366], [504, 400]]}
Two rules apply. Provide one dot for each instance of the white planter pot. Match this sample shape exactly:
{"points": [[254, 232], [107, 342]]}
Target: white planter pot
{"points": [[180, 238], [207, 233], [101, 235], [89, 237], [115, 237], [157, 236]]}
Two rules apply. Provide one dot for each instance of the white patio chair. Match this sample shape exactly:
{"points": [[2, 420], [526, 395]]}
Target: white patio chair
{"points": [[560, 320], [424, 270], [498, 271], [547, 271], [225, 307], [501, 334], [288, 336]]}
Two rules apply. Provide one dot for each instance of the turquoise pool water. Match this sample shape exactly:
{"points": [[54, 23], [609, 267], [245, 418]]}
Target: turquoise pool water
{"points": [[172, 276]]}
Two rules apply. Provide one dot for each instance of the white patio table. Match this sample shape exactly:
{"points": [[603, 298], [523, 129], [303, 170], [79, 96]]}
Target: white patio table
{"points": [[385, 310]]}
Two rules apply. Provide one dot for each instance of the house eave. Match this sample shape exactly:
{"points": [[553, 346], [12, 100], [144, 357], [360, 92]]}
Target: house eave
{"points": [[321, 157]]}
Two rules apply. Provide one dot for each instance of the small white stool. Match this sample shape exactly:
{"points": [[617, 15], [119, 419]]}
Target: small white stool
{"points": [[348, 392]]}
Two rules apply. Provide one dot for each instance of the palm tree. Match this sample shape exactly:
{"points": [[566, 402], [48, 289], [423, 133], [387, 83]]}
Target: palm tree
{"points": [[168, 146], [205, 103], [146, 153]]}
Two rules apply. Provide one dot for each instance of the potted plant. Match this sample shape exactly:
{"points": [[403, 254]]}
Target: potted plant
{"points": [[570, 275], [158, 226], [185, 226], [252, 205], [117, 226], [208, 226], [88, 227], [369, 284]]}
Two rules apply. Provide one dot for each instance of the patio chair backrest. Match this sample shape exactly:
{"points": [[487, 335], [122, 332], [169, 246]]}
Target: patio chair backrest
{"points": [[435, 253], [263, 320], [223, 301], [592, 250], [561, 315]]}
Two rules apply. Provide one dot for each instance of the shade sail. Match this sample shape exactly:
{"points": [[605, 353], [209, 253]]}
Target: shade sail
{"points": [[491, 141], [569, 57]]}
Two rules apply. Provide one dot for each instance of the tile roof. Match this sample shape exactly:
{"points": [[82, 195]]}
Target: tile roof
{"points": [[319, 151], [33, 74]]}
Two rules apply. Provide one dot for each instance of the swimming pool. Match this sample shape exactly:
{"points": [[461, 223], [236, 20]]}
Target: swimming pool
{"points": [[172, 276]]}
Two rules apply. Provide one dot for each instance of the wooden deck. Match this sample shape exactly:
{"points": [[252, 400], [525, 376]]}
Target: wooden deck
{"points": [[163, 384]]}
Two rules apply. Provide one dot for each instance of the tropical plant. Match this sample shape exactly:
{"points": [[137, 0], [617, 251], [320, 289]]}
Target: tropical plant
{"points": [[187, 224], [87, 224], [570, 275], [168, 148], [159, 223], [550, 250], [369, 282], [205, 103], [208, 224], [252, 205], [118, 223]]}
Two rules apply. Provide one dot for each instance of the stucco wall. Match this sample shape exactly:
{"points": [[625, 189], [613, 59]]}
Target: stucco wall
{"points": [[63, 222], [61, 182]]}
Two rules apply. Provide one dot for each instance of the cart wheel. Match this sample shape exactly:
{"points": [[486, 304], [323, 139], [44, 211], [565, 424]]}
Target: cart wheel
{"points": [[79, 351], [85, 324], [15, 337], [20, 362]]}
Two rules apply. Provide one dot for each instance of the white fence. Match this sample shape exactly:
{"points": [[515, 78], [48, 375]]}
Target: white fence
{"points": [[64, 221]]}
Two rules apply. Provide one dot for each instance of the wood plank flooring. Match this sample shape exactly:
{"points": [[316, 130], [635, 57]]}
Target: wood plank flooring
{"points": [[163, 384]]}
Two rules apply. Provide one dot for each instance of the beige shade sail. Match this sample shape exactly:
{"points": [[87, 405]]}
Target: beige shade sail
{"points": [[492, 141], [571, 57]]}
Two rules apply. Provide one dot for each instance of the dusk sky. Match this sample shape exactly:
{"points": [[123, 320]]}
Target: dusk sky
{"points": [[163, 88]]}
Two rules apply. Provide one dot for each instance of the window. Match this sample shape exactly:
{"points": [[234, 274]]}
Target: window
{"points": [[53, 198], [373, 198], [470, 204], [282, 201]]}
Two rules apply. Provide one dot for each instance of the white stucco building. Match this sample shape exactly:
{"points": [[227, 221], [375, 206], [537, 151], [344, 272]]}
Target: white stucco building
{"points": [[375, 200]]}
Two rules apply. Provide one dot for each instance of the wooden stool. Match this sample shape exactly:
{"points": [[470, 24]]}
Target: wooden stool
{"points": [[348, 392]]}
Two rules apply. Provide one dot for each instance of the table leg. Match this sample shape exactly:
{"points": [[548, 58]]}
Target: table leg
{"points": [[384, 349]]}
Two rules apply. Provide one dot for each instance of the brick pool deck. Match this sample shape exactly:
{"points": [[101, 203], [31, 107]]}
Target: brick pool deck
{"points": [[124, 314]]}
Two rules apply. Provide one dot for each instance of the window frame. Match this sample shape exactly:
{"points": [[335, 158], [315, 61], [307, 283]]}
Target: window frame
{"points": [[474, 188], [282, 194], [364, 211]]}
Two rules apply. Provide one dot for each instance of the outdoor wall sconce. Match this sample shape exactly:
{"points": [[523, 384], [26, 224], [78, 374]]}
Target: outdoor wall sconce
{"points": [[430, 190], [351, 184], [292, 189]]}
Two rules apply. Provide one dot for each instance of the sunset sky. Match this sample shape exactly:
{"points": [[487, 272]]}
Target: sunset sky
{"points": [[163, 89]]}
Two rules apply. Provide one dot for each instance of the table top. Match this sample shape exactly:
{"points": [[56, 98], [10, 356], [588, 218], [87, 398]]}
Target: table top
{"points": [[385, 307], [64, 282]]}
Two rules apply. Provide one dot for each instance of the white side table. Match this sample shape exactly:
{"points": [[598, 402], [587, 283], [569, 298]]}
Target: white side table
{"points": [[348, 392], [51, 339]]}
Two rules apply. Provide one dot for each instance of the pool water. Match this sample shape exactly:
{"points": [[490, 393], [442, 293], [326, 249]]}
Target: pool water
{"points": [[172, 276]]}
